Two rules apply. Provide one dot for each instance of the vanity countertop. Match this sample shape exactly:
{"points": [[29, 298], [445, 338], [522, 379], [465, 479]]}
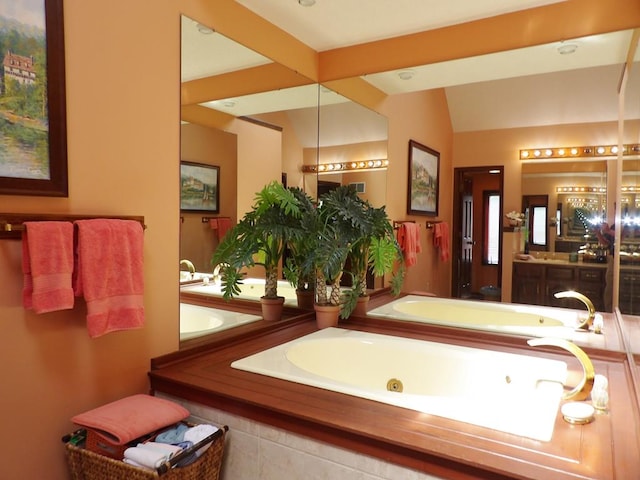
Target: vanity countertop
{"points": [[558, 261], [580, 264]]}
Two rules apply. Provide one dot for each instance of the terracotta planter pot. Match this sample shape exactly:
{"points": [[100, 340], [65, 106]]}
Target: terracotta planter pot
{"points": [[305, 299], [362, 306], [272, 308], [327, 315]]}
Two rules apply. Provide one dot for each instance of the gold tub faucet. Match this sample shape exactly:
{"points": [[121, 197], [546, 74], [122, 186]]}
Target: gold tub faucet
{"points": [[584, 387], [189, 265], [588, 322]]}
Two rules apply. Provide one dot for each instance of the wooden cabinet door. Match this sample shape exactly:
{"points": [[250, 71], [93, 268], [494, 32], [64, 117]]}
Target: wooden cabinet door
{"points": [[591, 282], [527, 285], [560, 279]]}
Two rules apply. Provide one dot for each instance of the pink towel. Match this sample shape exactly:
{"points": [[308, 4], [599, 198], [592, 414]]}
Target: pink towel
{"points": [[110, 274], [409, 241], [221, 224], [441, 240], [47, 264], [131, 417]]}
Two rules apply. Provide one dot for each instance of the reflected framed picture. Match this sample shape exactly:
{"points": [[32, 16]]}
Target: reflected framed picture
{"points": [[424, 177], [199, 187], [33, 125]]}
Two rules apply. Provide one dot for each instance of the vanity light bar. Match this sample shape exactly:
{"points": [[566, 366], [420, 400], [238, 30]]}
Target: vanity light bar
{"points": [[577, 152], [346, 166], [578, 189]]}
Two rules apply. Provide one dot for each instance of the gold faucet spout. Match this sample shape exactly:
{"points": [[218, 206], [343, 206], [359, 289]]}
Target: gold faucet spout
{"points": [[584, 387], [189, 265], [588, 322]]}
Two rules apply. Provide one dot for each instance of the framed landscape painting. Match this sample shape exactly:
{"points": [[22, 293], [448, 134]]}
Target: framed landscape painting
{"points": [[199, 187], [424, 173], [33, 131]]}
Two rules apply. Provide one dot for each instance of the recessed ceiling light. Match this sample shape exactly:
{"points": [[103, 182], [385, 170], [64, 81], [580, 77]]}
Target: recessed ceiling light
{"points": [[307, 3], [567, 48], [203, 29], [406, 74]]}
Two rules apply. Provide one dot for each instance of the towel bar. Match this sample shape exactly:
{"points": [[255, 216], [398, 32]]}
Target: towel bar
{"points": [[12, 224]]}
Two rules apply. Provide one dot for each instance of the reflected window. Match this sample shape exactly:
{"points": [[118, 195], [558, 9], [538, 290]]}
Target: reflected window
{"points": [[491, 234], [539, 226]]}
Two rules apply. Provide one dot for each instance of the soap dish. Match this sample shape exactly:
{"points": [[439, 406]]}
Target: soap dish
{"points": [[578, 413]]}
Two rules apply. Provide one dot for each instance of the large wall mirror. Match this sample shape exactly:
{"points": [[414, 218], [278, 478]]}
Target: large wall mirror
{"points": [[308, 133], [628, 197], [255, 133]]}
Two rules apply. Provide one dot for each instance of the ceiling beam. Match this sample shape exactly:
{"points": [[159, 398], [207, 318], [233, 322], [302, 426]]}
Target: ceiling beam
{"points": [[238, 23], [263, 78], [358, 90], [556, 22], [206, 117]]}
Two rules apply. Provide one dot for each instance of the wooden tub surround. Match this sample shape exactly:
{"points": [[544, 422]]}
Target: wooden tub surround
{"points": [[607, 448]]}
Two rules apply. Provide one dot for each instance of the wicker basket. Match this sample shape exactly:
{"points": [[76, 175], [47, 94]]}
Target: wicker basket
{"points": [[87, 465]]}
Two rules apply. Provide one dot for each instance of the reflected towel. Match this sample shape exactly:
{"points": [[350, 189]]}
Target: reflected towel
{"points": [[221, 224], [409, 241], [47, 264], [441, 240], [131, 417], [110, 274]]}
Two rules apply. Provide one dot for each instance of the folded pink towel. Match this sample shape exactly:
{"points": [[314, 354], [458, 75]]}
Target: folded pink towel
{"points": [[124, 420], [47, 264], [110, 274], [409, 241]]}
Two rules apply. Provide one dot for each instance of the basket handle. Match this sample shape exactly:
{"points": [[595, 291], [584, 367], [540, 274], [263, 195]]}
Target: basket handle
{"points": [[168, 465]]}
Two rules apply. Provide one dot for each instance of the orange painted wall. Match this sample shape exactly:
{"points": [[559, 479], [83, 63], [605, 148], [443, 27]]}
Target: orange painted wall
{"points": [[423, 117], [122, 63], [211, 147]]}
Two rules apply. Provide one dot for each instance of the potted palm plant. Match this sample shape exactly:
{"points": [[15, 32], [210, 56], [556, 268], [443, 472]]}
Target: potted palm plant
{"points": [[375, 249], [259, 238], [298, 267], [351, 228]]}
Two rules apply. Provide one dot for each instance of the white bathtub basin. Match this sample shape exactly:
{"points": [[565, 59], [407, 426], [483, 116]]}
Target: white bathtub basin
{"points": [[196, 320], [251, 289], [492, 316], [511, 393]]}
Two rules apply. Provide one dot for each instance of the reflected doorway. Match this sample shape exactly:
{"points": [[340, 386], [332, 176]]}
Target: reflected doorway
{"points": [[474, 262]]}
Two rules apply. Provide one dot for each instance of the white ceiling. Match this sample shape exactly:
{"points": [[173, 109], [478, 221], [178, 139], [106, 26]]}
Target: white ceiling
{"points": [[525, 87], [331, 24]]}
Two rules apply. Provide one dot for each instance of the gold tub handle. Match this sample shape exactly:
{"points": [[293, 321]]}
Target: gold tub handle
{"points": [[583, 389]]}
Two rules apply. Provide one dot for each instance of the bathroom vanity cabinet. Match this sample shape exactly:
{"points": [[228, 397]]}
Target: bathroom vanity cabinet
{"points": [[536, 282], [629, 299]]}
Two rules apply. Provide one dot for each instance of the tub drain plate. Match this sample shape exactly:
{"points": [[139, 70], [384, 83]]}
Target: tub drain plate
{"points": [[394, 385]]}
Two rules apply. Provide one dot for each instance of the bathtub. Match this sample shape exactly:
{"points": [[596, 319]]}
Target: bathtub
{"points": [[251, 289], [492, 316], [196, 320], [511, 393]]}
